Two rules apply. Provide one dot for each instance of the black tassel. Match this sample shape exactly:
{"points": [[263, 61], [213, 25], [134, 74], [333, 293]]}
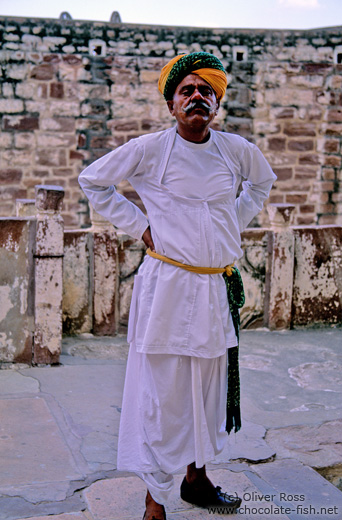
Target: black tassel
{"points": [[236, 299]]}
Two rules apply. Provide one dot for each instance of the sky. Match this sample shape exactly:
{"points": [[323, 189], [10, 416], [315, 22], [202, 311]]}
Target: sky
{"points": [[262, 14]]}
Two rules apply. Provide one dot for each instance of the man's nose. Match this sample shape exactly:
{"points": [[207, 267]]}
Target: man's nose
{"points": [[196, 94]]}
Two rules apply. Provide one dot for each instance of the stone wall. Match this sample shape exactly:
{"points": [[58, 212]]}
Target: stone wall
{"points": [[73, 90], [292, 276], [81, 280]]}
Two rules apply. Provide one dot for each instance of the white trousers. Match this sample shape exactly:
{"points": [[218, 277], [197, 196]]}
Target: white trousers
{"points": [[173, 414]]}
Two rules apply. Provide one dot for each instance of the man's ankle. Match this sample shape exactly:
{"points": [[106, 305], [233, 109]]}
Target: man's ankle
{"points": [[194, 474]]}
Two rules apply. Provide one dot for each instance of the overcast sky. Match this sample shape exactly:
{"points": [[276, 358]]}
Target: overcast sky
{"points": [[282, 14]]}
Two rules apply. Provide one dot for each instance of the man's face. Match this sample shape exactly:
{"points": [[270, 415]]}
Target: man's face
{"points": [[194, 104]]}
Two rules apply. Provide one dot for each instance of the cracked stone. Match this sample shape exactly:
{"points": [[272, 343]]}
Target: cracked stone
{"points": [[317, 446]]}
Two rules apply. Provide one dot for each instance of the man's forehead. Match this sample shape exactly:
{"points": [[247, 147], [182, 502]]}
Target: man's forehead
{"points": [[192, 79]]}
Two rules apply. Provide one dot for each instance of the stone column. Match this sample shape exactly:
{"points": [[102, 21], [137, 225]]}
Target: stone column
{"points": [[25, 207], [48, 275], [106, 283], [280, 266]]}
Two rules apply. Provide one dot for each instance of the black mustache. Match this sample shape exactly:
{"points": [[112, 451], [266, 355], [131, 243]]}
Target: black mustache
{"points": [[197, 104]]}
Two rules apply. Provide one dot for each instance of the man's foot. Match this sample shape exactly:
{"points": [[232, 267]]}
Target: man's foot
{"points": [[154, 511], [197, 489], [204, 494]]}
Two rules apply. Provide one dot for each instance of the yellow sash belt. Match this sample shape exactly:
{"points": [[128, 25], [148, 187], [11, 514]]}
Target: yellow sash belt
{"points": [[193, 269]]}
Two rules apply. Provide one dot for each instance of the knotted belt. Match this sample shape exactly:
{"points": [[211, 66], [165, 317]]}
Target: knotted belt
{"points": [[236, 299]]}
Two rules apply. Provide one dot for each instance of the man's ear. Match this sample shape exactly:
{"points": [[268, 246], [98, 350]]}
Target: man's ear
{"points": [[170, 106], [217, 106]]}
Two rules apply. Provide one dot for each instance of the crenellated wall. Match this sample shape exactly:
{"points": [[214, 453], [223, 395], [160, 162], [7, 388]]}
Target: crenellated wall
{"points": [[72, 91]]}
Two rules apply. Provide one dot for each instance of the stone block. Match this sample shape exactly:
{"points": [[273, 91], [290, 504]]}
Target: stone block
{"points": [[56, 140], [252, 267], [6, 140], [296, 198], [300, 145], [283, 112], [51, 157], [309, 159], [50, 234], [283, 174], [25, 207], [64, 108], [300, 129], [43, 72], [279, 271], [303, 172], [24, 140], [77, 282], [48, 310], [16, 157], [277, 144], [130, 255], [105, 282], [331, 145], [332, 160], [59, 124], [335, 115], [10, 176], [17, 236], [11, 106], [57, 90], [317, 287]]}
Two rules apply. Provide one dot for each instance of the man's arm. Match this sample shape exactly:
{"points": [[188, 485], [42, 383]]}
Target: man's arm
{"points": [[98, 183], [257, 185]]}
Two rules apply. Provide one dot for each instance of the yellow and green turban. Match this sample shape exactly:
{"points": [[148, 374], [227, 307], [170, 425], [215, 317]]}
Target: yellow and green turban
{"points": [[205, 65]]}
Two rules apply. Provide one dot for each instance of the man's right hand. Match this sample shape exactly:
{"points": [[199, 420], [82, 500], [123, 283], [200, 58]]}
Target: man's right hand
{"points": [[147, 238]]}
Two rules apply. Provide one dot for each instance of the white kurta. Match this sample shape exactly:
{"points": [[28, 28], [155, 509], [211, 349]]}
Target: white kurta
{"points": [[180, 327], [174, 311]]}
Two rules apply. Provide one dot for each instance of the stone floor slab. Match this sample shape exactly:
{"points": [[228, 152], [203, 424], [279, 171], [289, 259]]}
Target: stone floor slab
{"points": [[12, 382], [124, 498], [316, 446], [248, 444], [300, 487], [66, 516], [90, 398], [31, 446]]}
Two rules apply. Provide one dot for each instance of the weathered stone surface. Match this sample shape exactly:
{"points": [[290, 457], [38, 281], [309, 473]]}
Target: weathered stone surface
{"points": [[289, 478], [253, 270], [77, 283], [124, 497], [316, 446], [71, 414], [48, 310], [317, 285], [105, 282], [280, 262], [48, 274], [26, 459], [17, 293]]}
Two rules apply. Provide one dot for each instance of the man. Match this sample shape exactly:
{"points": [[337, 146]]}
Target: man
{"points": [[180, 325]]}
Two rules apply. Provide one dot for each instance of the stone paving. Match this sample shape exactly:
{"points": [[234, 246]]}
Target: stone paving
{"points": [[59, 427]]}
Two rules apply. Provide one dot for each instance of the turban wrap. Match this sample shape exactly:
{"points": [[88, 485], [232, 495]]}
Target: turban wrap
{"points": [[205, 65]]}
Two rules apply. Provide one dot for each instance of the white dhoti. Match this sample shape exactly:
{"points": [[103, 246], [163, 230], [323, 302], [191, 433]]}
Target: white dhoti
{"points": [[173, 414]]}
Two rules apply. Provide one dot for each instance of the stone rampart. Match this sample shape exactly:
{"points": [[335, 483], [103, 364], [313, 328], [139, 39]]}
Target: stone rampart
{"points": [[72, 91]]}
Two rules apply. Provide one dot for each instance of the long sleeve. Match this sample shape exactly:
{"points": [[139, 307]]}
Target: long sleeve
{"points": [[256, 187], [98, 182]]}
